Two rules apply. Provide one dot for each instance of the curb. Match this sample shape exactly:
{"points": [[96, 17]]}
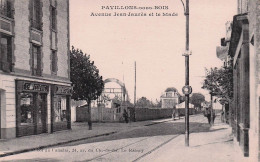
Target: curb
{"points": [[52, 145]]}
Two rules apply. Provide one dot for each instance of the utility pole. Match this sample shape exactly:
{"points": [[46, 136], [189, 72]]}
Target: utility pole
{"points": [[211, 111], [135, 94], [211, 100], [187, 53], [135, 85]]}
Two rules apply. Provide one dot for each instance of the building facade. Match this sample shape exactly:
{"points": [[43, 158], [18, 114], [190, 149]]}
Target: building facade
{"points": [[170, 98], [244, 50], [35, 85]]}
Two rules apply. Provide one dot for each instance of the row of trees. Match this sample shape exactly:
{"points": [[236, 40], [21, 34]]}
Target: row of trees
{"points": [[196, 99]]}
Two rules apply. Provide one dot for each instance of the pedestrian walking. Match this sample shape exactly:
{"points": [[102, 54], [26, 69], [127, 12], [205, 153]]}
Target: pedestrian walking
{"points": [[214, 116], [207, 114], [125, 115]]}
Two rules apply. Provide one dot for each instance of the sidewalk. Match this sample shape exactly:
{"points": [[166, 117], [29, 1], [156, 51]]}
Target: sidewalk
{"points": [[214, 145], [79, 132]]}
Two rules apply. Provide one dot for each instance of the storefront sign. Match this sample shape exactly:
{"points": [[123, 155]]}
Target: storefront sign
{"points": [[35, 87], [32, 87], [62, 90]]}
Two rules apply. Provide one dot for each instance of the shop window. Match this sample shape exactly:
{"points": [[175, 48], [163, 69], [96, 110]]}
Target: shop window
{"points": [[60, 108], [53, 19], [6, 8], [6, 53], [27, 107], [36, 15], [54, 62], [36, 60]]}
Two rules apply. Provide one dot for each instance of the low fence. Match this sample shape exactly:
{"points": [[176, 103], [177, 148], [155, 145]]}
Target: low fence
{"points": [[102, 114], [98, 114], [182, 111], [149, 113]]}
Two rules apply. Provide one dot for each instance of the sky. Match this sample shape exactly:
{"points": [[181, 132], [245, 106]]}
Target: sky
{"points": [[156, 43]]}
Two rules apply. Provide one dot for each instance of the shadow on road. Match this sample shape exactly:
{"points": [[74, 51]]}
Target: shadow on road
{"points": [[161, 129]]}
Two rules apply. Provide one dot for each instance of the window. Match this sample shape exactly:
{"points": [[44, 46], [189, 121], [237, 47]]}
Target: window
{"points": [[6, 8], [168, 94], [6, 53], [36, 61], [54, 62], [27, 107], [60, 108], [36, 15], [53, 18]]}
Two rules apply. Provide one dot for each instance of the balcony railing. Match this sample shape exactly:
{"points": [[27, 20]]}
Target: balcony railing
{"points": [[7, 11], [36, 24]]}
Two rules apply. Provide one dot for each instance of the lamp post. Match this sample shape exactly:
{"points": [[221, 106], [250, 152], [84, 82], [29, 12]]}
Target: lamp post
{"points": [[186, 54]]}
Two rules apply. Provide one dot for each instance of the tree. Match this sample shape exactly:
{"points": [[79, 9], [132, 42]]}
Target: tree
{"points": [[196, 99], [86, 81], [143, 102], [219, 81]]}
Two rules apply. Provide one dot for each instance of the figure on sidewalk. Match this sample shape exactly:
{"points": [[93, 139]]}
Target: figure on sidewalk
{"points": [[125, 115], [207, 114], [214, 116], [173, 113]]}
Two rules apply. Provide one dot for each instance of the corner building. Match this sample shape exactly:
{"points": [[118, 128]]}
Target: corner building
{"points": [[35, 85], [244, 49]]}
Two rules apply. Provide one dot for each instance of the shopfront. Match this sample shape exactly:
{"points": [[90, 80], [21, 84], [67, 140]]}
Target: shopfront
{"points": [[41, 108], [31, 108], [60, 103]]}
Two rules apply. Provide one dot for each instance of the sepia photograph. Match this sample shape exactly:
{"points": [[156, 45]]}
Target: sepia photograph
{"points": [[130, 80]]}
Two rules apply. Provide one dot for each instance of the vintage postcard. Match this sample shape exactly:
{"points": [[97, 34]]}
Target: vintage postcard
{"points": [[129, 80]]}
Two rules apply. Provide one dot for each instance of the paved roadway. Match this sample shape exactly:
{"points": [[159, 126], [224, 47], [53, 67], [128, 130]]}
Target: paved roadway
{"points": [[130, 145]]}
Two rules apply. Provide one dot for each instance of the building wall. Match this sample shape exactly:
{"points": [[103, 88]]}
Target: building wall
{"points": [[169, 102], [8, 113], [254, 33], [46, 39], [22, 58], [63, 38], [21, 36], [252, 9]]}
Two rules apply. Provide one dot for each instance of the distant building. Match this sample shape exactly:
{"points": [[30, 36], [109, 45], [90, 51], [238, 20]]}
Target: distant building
{"points": [[35, 85], [222, 51], [170, 98]]}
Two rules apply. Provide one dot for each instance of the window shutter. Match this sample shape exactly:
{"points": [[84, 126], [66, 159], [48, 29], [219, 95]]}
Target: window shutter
{"points": [[9, 9], [5, 65], [56, 62], [31, 11], [39, 62]]}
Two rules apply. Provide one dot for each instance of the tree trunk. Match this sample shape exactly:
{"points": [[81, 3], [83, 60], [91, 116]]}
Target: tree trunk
{"points": [[89, 117]]}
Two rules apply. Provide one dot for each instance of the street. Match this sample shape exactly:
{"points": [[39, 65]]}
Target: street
{"points": [[133, 144]]}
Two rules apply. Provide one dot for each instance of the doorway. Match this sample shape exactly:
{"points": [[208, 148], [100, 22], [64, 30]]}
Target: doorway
{"points": [[32, 113]]}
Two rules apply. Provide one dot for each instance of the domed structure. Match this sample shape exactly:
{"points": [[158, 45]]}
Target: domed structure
{"points": [[171, 89], [170, 97]]}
